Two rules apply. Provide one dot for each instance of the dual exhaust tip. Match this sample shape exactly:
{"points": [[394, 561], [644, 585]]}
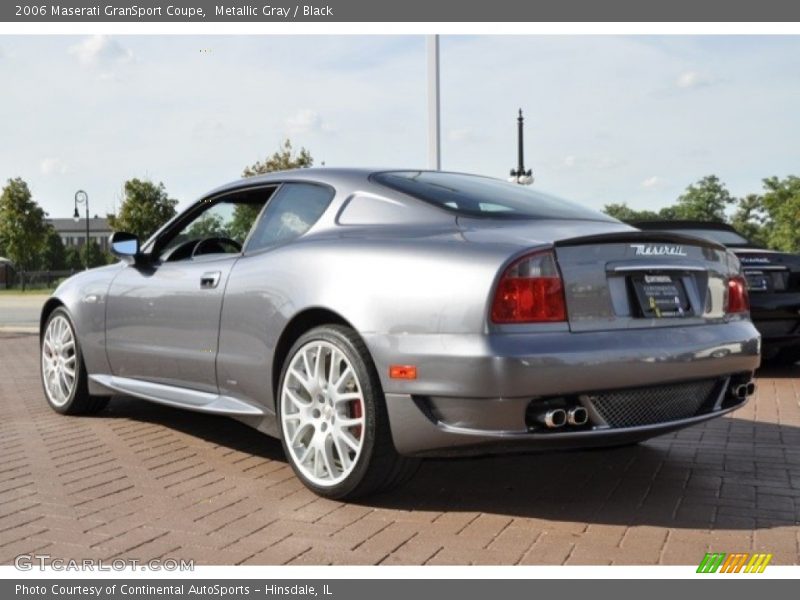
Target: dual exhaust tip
{"points": [[743, 390], [558, 417], [578, 415]]}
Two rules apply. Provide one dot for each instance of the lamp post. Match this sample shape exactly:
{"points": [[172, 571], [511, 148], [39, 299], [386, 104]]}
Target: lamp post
{"points": [[434, 106], [520, 175], [82, 197]]}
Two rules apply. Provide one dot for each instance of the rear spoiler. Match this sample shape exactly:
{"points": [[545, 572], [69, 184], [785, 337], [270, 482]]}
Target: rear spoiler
{"points": [[633, 237]]}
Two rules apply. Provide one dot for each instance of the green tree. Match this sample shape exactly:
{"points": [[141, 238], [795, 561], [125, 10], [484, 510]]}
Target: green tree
{"points": [[145, 208], [705, 200], [244, 215], [51, 256], [623, 212], [781, 201], [750, 219], [73, 259], [96, 257], [284, 159], [22, 226], [209, 225]]}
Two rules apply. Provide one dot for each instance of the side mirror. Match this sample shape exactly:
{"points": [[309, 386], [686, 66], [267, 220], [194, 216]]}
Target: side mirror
{"points": [[125, 246]]}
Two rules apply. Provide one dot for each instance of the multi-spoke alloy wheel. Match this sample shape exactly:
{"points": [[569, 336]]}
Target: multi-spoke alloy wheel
{"points": [[63, 373], [332, 412], [59, 360], [322, 413]]}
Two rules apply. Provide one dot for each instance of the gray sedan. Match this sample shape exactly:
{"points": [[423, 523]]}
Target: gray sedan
{"points": [[370, 318]]}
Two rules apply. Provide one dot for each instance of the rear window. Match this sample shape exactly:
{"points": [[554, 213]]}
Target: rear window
{"points": [[476, 196]]}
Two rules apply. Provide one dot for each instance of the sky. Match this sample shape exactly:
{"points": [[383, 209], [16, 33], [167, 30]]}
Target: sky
{"points": [[608, 118]]}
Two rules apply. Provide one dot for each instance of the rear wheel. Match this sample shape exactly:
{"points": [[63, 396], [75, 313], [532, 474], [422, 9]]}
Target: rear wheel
{"points": [[63, 372], [334, 425]]}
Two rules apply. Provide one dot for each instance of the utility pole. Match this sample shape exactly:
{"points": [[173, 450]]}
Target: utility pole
{"points": [[434, 125], [82, 197]]}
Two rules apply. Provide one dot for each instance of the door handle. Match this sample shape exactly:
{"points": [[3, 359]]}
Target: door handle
{"points": [[209, 280]]}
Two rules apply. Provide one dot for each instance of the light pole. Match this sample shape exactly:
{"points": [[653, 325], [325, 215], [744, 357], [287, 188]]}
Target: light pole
{"points": [[82, 197], [520, 175], [434, 107]]}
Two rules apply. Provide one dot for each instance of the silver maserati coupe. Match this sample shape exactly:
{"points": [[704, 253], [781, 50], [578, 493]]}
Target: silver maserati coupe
{"points": [[369, 318]]}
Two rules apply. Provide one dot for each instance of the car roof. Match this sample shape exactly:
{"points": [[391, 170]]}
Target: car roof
{"points": [[343, 178], [332, 176]]}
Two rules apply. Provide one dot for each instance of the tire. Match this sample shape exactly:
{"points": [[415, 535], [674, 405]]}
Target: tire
{"points": [[58, 351], [337, 437]]}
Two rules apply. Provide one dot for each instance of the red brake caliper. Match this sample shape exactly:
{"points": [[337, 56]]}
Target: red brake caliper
{"points": [[356, 413]]}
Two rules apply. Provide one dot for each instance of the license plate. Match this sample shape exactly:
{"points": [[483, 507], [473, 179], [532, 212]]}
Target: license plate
{"points": [[661, 296], [756, 281]]}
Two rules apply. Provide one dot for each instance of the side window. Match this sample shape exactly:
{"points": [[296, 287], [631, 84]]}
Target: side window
{"points": [[291, 211], [221, 227]]}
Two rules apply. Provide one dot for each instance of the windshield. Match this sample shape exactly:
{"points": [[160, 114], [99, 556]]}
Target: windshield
{"points": [[475, 196]]}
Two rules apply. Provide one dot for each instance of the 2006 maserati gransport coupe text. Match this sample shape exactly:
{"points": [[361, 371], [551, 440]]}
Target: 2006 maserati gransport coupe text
{"points": [[369, 318]]}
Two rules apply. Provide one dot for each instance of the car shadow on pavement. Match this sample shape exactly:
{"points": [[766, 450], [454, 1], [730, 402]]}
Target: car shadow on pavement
{"points": [[216, 430], [729, 473]]}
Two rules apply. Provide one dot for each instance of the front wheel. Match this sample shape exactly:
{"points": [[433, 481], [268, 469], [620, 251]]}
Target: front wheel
{"points": [[334, 425], [63, 372]]}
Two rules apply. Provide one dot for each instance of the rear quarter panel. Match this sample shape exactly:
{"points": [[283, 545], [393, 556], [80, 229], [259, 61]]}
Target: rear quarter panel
{"points": [[396, 286]]}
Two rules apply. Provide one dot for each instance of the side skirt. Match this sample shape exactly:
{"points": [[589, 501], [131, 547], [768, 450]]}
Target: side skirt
{"points": [[178, 397]]}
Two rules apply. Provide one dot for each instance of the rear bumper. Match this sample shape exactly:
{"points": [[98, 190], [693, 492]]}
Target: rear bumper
{"points": [[481, 385], [415, 434], [777, 318]]}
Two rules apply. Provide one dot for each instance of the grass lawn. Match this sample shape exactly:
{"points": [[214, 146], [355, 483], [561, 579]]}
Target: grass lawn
{"points": [[28, 292]]}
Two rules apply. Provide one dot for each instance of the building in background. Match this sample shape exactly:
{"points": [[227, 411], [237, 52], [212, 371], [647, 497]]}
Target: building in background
{"points": [[74, 234]]}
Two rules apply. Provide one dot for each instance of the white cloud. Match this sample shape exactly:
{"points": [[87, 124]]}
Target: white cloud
{"points": [[209, 129], [653, 183], [306, 120], [692, 79], [593, 163], [463, 135], [52, 166], [609, 162], [100, 49], [362, 84]]}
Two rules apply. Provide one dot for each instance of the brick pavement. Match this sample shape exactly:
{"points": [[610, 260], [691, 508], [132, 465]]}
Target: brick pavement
{"points": [[144, 481]]}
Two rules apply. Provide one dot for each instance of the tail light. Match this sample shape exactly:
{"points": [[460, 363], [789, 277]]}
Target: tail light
{"points": [[738, 300], [530, 291]]}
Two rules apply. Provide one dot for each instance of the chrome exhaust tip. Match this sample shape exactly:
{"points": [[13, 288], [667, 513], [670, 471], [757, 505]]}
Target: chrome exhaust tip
{"points": [[555, 418], [751, 388], [740, 391], [578, 416]]}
